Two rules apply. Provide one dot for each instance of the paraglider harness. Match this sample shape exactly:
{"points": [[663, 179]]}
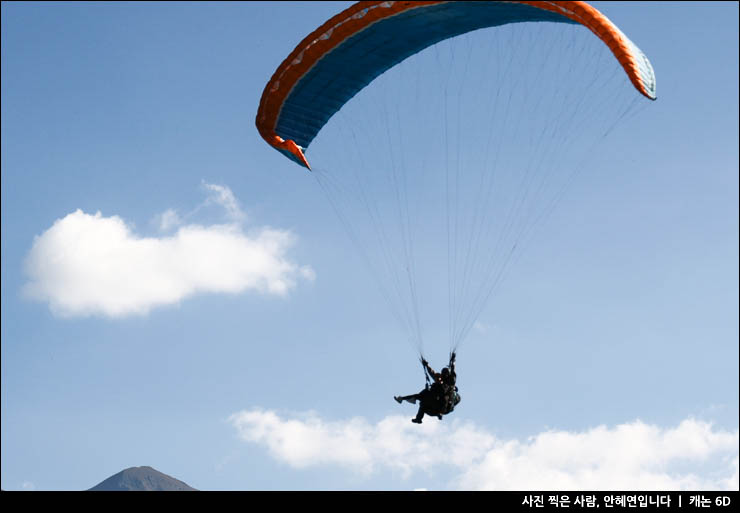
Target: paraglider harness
{"points": [[442, 397]]}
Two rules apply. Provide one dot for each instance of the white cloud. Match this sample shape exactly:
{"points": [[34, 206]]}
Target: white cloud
{"points": [[630, 456], [28, 486], [356, 444], [90, 264], [168, 220], [219, 196], [223, 196]]}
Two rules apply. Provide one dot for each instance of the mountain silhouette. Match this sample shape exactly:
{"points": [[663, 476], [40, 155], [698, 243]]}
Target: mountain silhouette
{"points": [[141, 479]]}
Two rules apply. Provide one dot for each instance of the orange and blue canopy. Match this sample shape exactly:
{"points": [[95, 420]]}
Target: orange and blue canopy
{"points": [[351, 49]]}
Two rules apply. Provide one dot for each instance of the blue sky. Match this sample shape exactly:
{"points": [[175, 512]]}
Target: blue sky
{"points": [[177, 294]]}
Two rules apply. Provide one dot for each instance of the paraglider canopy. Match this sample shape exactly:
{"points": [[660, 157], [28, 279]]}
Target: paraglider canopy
{"points": [[350, 50]]}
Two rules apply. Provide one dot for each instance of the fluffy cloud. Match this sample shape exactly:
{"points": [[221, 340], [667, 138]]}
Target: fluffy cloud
{"points": [[90, 264], [358, 445], [631, 456]]}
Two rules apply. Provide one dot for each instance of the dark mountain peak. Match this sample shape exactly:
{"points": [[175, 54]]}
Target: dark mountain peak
{"points": [[141, 479]]}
